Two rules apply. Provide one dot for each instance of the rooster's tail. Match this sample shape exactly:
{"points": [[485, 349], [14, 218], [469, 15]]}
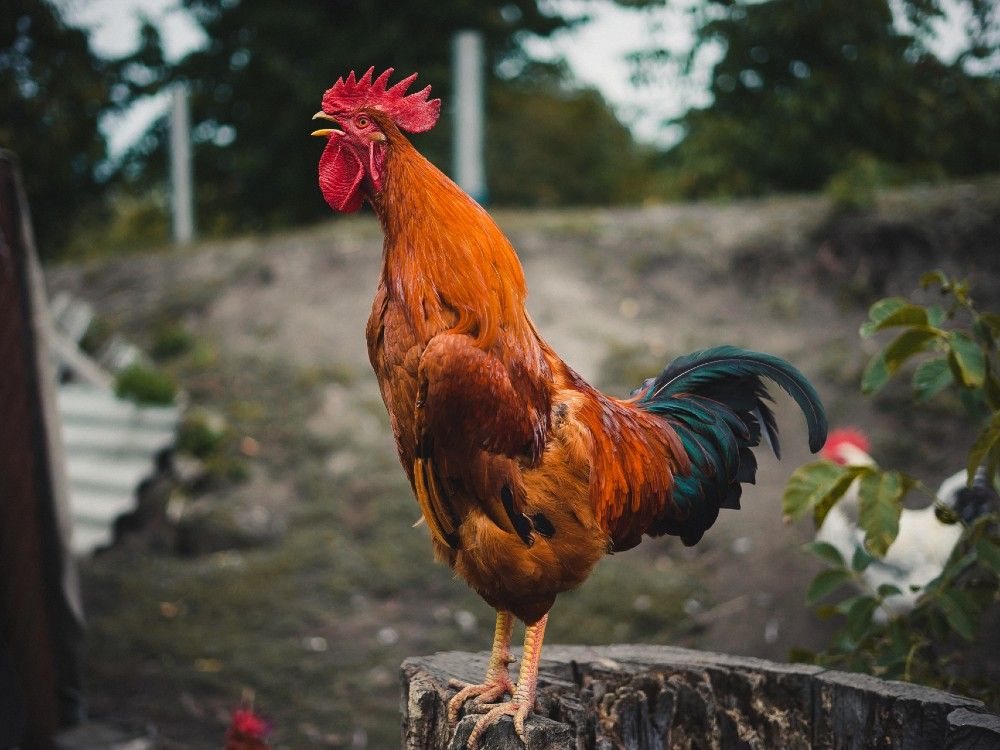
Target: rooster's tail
{"points": [[716, 402]]}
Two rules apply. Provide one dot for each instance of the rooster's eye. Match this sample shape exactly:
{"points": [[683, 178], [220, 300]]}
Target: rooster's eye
{"points": [[362, 122]]}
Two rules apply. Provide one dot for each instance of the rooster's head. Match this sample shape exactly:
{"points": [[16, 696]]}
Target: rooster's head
{"points": [[847, 447], [370, 117]]}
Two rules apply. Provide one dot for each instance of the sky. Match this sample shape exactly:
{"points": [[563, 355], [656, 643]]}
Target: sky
{"points": [[595, 51]]}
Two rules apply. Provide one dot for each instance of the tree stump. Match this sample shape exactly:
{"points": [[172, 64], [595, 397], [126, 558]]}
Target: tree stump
{"points": [[656, 697]]}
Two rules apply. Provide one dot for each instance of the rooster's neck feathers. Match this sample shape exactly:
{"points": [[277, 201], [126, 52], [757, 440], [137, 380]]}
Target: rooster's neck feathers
{"points": [[445, 260]]}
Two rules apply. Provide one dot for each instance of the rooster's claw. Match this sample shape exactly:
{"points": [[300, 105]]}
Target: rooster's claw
{"points": [[488, 691], [496, 712]]}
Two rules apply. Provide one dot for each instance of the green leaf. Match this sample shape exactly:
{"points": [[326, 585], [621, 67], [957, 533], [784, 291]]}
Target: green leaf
{"points": [[974, 402], [859, 617], [909, 342], [860, 560], [814, 483], [843, 643], [991, 321], [982, 332], [968, 359], [824, 583], [876, 374], [904, 346], [894, 315], [934, 277], [845, 606], [931, 377], [985, 442], [888, 589], [894, 655], [988, 554], [936, 315], [881, 495], [882, 310], [959, 610], [825, 552], [823, 506], [956, 565], [937, 624], [960, 290]]}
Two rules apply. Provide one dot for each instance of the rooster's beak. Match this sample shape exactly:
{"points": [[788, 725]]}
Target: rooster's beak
{"points": [[321, 115]]}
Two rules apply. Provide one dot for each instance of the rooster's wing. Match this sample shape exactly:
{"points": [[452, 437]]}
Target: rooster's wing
{"points": [[469, 402]]}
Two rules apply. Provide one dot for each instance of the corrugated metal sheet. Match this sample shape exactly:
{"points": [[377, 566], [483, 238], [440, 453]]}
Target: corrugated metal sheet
{"points": [[111, 447], [111, 443]]}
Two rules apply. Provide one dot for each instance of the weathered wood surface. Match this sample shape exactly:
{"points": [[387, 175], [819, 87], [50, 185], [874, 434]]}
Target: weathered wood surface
{"points": [[657, 697]]}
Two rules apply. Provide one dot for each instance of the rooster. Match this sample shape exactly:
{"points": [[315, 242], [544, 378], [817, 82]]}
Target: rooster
{"points": [[926, 535], [525, 475]]}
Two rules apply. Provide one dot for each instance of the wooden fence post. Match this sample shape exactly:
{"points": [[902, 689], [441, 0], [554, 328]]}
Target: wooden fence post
{"points": [[40, 612]]}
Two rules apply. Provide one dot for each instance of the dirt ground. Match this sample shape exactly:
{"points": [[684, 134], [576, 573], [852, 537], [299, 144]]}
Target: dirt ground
{"points": [[317, 619]]}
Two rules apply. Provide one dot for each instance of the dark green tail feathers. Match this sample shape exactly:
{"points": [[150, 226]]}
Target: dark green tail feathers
{"points": [[717, 402]]}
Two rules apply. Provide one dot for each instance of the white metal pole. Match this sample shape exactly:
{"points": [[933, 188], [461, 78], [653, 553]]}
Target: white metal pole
{"points": [[182, 191], [467, 62]]}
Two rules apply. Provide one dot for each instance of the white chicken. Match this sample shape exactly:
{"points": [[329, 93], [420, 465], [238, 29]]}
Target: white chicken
{"points": [[924, 542]]}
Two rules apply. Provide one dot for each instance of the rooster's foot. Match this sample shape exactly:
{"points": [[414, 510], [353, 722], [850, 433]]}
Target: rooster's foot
{"points": [[488, 691], [519, 710]]}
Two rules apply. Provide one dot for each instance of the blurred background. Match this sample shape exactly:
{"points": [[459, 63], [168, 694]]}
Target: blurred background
{"points": [[673, 174]]}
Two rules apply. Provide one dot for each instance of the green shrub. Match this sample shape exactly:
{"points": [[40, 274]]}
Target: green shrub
{"points": [[198, 437], [853, 188], [171, 340], [145, 385], [957, 346]]}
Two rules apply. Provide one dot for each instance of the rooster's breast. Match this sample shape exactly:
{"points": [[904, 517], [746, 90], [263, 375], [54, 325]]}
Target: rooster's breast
{"points": [[394, 351]]}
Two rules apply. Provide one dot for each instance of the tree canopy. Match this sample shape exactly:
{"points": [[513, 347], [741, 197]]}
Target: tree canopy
{"points": [[53, 91], [804, 91], [254, 88], [806, 88], [262, 75]]}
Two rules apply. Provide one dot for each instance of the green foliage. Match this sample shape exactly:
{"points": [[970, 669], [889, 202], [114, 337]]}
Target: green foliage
{"points": [[963, 356], [853, 187], [171, 340], [810, 93], [53, 91], [915, 646], [816, 487], [551, 144], [255, 86], [145, 385], [881, 497], [958, 345], [819, 485], [207, 436], [198, 436], [127, 224]]}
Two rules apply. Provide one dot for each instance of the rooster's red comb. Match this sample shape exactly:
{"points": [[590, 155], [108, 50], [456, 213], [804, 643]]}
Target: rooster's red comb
{"points": [[841, 437], [414, 113]]}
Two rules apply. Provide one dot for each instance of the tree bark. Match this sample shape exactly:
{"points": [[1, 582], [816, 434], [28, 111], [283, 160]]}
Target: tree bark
{"points": [[657, 697]]}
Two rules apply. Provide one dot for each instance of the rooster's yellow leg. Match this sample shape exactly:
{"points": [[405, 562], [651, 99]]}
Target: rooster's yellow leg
{"points": [[497, 682], [523, 701]]}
